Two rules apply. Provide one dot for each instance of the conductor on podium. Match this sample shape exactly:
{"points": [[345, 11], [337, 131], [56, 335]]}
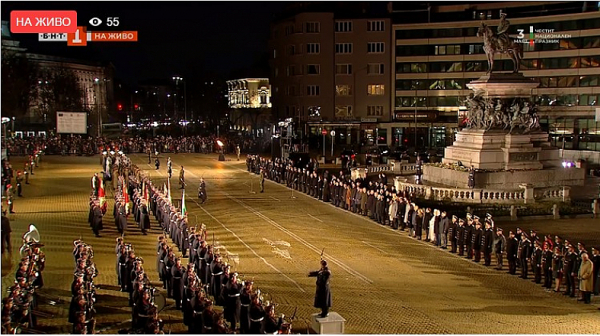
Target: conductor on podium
{"points": [[323, 292]]}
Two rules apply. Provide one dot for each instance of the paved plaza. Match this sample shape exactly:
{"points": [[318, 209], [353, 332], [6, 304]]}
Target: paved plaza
{"points": [[382, 281]]}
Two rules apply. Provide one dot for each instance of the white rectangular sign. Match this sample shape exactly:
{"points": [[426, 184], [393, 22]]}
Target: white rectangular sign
{"points": [[71, 122]]}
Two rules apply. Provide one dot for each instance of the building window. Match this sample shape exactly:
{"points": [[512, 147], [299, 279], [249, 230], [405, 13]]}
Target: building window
{"points": [[375, 89], [475, 49], [289, 30], [291, 70], [453, 49], [343, 69], [375, 69], [313, 69], [314, 111], [343, 90], [343, 111], [343, 26], [343, 48], [276, 72], [291, 50], [375, 47], [312, 90], [375, 26], [589, 80], [291, 90], [411, 67], [376, 111], [313, 48], [313, 27], [274, 53]]}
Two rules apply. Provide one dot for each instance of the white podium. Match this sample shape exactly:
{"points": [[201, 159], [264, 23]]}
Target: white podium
{"points": [[332, 324]]}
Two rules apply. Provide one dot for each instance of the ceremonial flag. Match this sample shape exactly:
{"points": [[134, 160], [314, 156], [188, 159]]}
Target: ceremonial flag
{"points": [[183, 208], [126, 199], [169, 191], [101, 194]]}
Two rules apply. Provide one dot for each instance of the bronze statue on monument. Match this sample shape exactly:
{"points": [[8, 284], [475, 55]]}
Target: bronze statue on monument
{"points": [[500, 42]]}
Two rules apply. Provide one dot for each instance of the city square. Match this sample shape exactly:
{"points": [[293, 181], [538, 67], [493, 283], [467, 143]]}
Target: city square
{"points": [[382, 280], [301, 168]]}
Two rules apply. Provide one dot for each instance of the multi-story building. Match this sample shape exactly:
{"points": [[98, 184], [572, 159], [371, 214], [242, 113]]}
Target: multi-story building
{"points": [[95, 81], [437, 53], [330, 68], [249, 105]]}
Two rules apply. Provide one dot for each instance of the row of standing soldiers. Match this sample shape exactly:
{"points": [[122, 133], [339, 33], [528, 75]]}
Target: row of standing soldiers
{"points": [[206, 276], [82, 313]]}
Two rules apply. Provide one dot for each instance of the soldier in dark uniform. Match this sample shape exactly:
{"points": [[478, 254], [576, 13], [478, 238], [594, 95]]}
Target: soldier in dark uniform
{"points": [[161, 257], [157, 163], [208, 316], [460, 237], [469, 231], [245, 302], [512, 246], [233, 303], [144, 218], [537, 257], [452, 229], [272, 324], [499, 248], [570, 272], [216, 270], [323, 292], [547, 259], [488, 243], [176, 283], [476, 242], [169, 262], [524, 254], [97, 220], [257, 316]]}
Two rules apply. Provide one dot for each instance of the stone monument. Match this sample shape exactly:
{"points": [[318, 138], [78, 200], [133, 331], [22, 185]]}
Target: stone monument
{"points": [[503, 141]]}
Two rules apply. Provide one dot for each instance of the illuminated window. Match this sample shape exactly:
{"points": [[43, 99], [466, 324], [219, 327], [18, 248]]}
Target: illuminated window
{"points": [[343, 90], [375, 89], [343, 111]]}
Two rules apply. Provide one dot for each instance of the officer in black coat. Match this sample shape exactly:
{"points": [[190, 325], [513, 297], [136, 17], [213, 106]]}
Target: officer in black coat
{"points": [[97, 220], [257, 316], [323, 291], [524, 253], [452, 228], [176, 282], [144, 218], [460, 237], [512, 247], [233, 304], [537, 256], [245, 302], [488, 243], [477, 242]]}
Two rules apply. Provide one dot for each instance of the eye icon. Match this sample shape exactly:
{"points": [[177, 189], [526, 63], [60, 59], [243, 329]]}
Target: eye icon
{"points": [[95, 22]]}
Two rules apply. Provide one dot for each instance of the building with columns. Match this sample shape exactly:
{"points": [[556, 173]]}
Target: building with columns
{"points": [[249, 101]]}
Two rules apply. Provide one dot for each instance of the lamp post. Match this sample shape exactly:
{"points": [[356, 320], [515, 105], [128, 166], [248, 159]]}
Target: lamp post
{"points": [[332, 140], [177, 79], [97, 101]]}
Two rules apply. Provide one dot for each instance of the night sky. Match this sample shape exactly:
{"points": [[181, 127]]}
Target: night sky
{"points": [[188, 39]]}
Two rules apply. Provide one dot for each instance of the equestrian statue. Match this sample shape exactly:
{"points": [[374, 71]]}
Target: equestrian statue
{"points": [[500, 42]]}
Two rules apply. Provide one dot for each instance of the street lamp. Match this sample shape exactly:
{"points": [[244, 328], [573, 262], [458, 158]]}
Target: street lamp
{"points": [[177, 79], [222, 154], [96, 82]]}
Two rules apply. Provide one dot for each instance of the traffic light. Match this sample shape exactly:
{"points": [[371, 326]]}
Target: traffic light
{"points": [[120, 107], [136, 106]]}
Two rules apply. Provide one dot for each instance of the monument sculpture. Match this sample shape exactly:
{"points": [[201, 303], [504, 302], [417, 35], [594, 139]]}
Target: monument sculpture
{"points": [[502, 139], [500, 43]]}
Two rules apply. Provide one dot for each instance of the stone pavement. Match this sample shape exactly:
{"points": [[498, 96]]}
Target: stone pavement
{"points": [[383, 281]]}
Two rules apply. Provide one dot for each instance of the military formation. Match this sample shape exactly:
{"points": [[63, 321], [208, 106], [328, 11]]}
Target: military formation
{"points": [[206, 280], [18, 308], [552, 262], [11, 190], [82, 313]]}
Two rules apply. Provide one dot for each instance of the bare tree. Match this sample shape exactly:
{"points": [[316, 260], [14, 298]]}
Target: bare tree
{"points": [[19, 80]]}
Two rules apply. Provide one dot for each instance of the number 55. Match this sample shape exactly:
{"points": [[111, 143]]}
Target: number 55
{"points": [[112, 21]]}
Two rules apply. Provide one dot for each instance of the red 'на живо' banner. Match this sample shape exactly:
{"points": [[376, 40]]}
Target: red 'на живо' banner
{"points": [[43, 21]]}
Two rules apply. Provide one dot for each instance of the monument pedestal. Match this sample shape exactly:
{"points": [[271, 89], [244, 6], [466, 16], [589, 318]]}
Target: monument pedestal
{"points": [[332, 324], [503, 142]]}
